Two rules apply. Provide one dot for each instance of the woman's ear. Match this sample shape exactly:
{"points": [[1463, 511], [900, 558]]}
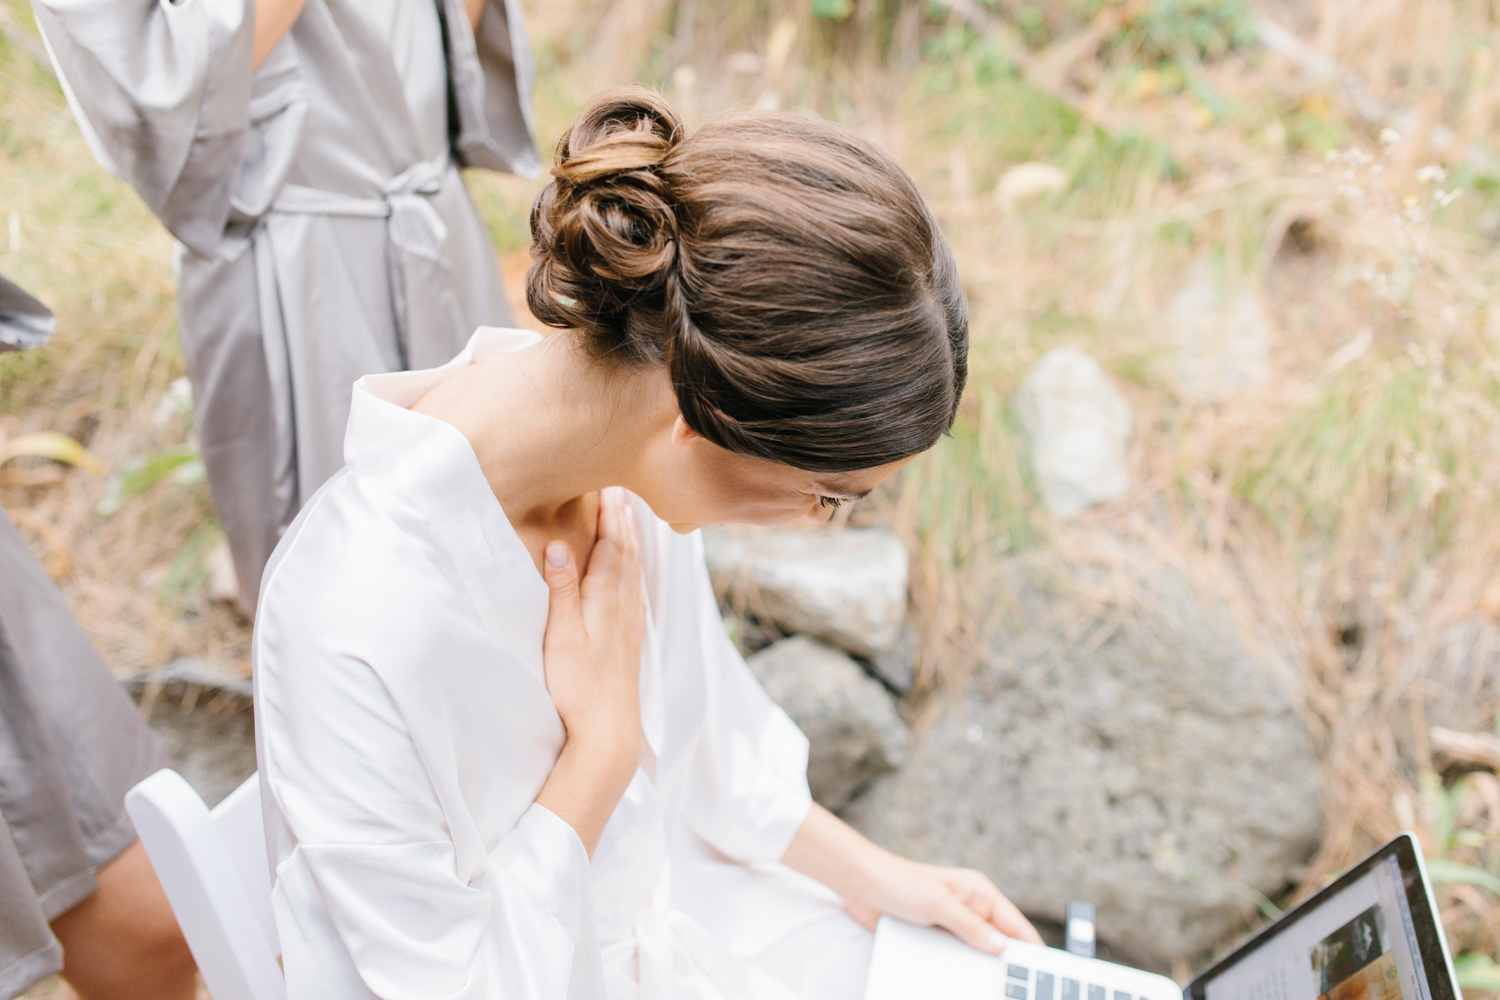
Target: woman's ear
{"points": [[682, 434]]}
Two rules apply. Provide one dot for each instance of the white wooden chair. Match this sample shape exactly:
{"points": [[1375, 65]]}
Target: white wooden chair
{"points": [[213, 867]]}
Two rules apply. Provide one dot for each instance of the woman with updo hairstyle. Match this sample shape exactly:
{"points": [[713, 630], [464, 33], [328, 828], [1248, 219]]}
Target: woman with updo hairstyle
{"points": [[506, 748]]}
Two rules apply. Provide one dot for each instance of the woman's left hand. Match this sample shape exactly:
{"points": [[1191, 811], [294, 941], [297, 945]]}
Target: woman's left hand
{"points": [[875, 883], [960, 900]]}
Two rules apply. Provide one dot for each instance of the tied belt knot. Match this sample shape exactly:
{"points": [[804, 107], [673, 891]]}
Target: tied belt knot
{"points": [[672, 955], [420, 278]]}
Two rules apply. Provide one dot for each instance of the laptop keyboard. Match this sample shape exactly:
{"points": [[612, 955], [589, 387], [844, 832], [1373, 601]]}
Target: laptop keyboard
{"points": [[1019, 986]]}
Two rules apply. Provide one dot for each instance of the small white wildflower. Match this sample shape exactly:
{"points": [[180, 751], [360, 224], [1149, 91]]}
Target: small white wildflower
{"points": [[1389, 138], [1446, 198], [177, 401], [1432, 174], [1331, 156], [1028, 180], [1433, 487]]}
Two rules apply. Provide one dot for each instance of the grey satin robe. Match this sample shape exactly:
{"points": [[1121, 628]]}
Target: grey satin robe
{"points": [[315, 243], [24, 322], [71, 741]]}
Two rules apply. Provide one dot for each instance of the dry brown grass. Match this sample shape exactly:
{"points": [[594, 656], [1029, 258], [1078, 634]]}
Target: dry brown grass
{"points": [[88, 247]]}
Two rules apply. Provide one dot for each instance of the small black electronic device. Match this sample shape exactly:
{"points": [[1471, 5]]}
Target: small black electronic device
{"points": [[1371, 934]]}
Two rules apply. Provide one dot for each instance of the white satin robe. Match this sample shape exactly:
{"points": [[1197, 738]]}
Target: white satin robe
{"points": [[404, 731]]}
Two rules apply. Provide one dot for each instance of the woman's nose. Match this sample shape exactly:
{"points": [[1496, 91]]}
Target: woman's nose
{"points": [[819, 514]]}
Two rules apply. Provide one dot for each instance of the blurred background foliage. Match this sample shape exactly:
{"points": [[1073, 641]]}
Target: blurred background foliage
{"points": [[1334, 161]]}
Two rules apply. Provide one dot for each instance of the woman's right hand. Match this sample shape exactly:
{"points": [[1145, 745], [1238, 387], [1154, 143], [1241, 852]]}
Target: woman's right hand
{"points": [[592, 657]]}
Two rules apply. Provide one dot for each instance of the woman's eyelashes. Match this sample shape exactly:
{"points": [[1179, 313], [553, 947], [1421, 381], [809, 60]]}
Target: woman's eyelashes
{"points": [[832, 502]]}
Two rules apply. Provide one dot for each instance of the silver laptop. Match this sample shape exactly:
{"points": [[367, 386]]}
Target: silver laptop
{"points": [[1373, 934]]}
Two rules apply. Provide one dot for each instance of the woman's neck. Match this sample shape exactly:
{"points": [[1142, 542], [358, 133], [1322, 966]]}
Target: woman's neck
{"points": [[550, 427]]}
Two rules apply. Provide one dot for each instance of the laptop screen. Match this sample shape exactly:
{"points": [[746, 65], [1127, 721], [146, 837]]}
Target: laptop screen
{"points": [[1371, 935]]}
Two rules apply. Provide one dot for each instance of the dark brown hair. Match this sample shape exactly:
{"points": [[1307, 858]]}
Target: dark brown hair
{"points": [[784, 269]]}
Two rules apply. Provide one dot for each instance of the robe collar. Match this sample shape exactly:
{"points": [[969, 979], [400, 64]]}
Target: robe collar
{"points": [[432, 464]]}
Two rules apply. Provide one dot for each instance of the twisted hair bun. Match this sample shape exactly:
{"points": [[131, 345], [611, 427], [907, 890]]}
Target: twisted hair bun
{"points": [[785, 271], [604, 232]]}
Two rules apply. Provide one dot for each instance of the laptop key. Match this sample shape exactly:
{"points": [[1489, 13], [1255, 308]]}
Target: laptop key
{"points": [[1070, 989], [1044, 986], [1016, 991], [1098, 992], [1021, 972]]}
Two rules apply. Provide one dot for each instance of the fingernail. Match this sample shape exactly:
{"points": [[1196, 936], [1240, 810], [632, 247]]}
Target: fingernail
{"points": [[557, 555], [997, 941]]}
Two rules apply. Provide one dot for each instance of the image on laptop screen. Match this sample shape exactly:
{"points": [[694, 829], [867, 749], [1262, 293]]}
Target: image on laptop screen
{"points": [[1358, 943]]}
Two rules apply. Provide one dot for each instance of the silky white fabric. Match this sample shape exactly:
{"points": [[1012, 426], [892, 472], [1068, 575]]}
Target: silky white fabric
{"points": [[404, 731]]}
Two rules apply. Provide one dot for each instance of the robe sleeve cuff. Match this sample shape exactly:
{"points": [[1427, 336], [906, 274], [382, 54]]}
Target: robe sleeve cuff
{"points": [[770, 798], [546, 857], [197, 209], [787, 799], [493, 75]]}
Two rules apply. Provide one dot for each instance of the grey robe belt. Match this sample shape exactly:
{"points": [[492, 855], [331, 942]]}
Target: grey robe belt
{"points": [[420, 282], [417, 234]]}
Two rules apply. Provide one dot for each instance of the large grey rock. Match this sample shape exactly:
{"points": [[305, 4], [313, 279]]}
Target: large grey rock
{"points": [[1136, 756], [1219, 337], [204, 718], [1077, 426], [850, 721], [847, 587], [895, 668]]}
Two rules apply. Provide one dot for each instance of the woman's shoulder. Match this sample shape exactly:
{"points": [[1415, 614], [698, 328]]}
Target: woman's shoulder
{"points": [[358, 557]]}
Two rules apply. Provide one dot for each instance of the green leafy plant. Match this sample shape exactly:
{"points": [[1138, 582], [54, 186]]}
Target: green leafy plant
{"points": [[832, 10], [1184, 31], [1446, 871], [183, 464], [1477, 972]]}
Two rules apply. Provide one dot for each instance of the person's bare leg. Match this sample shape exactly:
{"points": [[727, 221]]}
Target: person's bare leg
{"points": [[123, 943]]}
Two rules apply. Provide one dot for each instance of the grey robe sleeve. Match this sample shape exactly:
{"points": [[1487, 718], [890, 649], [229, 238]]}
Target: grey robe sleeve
{"points": [[493, 76], [163, 93], [24, 322]]}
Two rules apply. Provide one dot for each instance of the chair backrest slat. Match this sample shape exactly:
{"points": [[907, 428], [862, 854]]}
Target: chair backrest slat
{"points": [[238, 820], [203, 863]]}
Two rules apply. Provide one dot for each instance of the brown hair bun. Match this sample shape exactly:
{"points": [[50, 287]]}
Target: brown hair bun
{"points": [[604, 231], [784, 269]]}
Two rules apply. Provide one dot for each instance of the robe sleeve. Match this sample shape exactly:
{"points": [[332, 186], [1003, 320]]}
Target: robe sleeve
{"points": [[748, 794], [24, 321], [494, 75], [369, 902], [163, 93]]}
